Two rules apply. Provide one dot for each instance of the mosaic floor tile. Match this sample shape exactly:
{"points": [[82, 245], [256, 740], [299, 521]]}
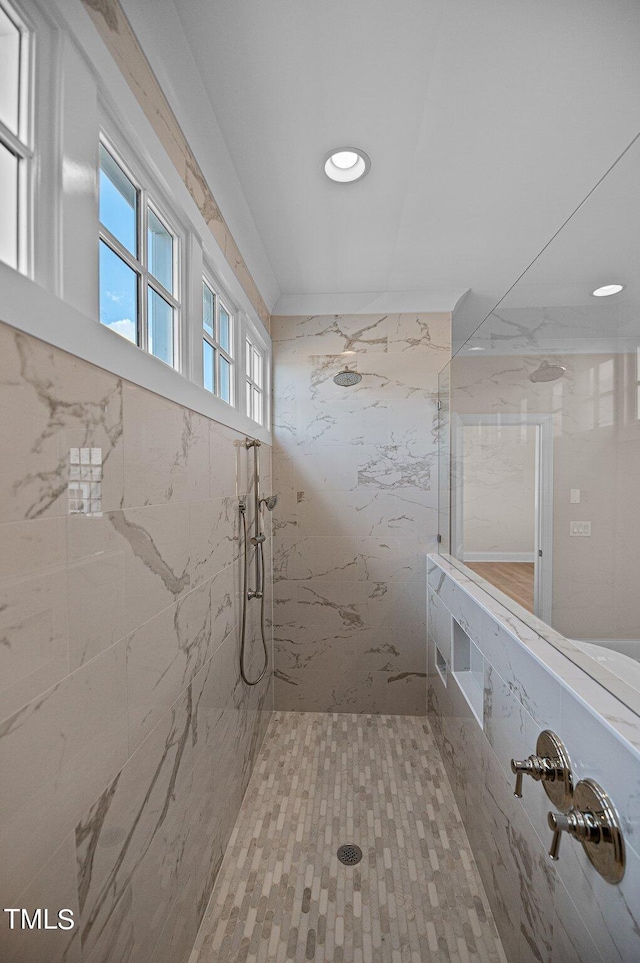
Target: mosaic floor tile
{"points": [[323, 780]]}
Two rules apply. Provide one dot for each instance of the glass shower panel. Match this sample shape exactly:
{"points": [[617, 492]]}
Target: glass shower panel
{"points": [[541, 405]]}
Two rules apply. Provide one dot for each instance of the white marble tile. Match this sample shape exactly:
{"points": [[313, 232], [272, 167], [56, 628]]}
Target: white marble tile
{"points": [[34, 636], [155, 541], [367, 513], [225, 451], [319, 557], [166, 450], [393, 467], [353, 422], [214, 536], [53, 889], [394, 559], [597, 753], [97, 586], [114, 836], [74, 737], [571, 940], [163, 656], [560, 919], [336, 333], [427, 334], [330, 468], [55, 405]]}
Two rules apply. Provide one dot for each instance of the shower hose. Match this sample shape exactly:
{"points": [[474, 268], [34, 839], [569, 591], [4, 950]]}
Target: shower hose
{"points": [[259, 593]]}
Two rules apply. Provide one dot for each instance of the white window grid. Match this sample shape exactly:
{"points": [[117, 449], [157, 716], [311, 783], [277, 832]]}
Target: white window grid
{"points": [[255, 379], [139, 264], [20, 144], [215, 342]]}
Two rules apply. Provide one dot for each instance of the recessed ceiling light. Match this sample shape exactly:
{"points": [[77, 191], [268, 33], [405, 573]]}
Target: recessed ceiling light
{"points": [[607, 290], [344, 164], [477, 348]]}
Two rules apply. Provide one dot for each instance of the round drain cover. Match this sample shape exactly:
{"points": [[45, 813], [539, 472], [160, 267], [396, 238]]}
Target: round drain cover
{"points": [[349, 854]]}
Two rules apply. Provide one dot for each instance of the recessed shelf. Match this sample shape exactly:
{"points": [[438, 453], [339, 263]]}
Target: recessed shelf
{"points": [[468, 670]]}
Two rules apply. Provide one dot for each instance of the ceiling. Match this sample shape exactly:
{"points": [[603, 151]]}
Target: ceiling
{"points": [[487, 122]]}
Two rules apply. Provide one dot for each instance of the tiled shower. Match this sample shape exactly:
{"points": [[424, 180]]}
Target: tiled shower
{"points": [[358, 803], [356, 469]]}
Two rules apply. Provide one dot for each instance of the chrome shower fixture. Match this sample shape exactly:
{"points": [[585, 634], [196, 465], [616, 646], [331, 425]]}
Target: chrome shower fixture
{"points": [[347, 378], [547, 372], [257, 541]]}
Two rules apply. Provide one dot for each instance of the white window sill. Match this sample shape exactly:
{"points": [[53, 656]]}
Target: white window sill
{"points": [[28, 307]]}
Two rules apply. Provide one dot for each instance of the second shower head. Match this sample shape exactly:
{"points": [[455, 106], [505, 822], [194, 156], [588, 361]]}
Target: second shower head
{"points": [[270, 502], [347, 378]]}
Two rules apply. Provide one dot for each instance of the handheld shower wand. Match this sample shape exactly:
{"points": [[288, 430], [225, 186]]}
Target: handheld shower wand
{"points": [[257, 540]]}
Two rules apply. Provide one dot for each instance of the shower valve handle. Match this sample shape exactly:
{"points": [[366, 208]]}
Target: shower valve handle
{"points": [[582, 826], [551, 766], [594, 822], [535, 766]]}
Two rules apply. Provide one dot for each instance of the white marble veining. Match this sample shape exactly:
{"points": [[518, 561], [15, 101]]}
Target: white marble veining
{"points": [[126, 736], [562, 912], [356, 473]]}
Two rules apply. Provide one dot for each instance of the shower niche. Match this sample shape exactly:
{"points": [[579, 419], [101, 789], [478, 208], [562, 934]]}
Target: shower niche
{"points": [[468, 670]]}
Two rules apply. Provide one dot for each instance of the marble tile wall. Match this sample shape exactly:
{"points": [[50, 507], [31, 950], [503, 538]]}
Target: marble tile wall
{"points": [[356, 471], [548, 912], [126, 736]]}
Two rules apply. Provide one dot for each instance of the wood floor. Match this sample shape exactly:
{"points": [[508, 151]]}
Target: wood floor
{"points": [[515, 579]]}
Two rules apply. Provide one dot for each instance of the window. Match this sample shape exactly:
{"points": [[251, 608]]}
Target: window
{"points": [[217, 345], [255, 382], [138, 259], [15, 153]]}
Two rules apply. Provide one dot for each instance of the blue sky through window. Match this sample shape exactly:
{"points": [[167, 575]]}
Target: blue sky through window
{"points": [[118, 294]]}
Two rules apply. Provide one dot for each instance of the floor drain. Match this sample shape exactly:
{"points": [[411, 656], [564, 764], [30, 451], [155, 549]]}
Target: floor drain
{"points": [[349, 854]]}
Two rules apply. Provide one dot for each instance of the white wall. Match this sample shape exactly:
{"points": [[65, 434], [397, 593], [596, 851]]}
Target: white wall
{"points": [[499, 519]]}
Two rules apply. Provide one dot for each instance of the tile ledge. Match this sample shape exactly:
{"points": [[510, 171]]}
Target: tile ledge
{"points": [[584, 678]]}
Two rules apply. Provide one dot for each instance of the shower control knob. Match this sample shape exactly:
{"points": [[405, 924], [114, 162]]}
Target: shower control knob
{"points": [[581, 826], [550, 766], [594, 823]]}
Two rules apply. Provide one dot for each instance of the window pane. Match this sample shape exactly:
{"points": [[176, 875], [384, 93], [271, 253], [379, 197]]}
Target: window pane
{"points": [[208, 309], [248, 399], [118, 202], [160, 326], [257, 368], [225, 380], [257, 406], [8, 207], [160, 252], [118, 294], [9, 73], [225, 330], [208, 362], [249, 354]]}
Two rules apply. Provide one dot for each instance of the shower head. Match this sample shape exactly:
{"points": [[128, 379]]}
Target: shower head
{"points": [[547, 372], [347, 378], [270, 502]]}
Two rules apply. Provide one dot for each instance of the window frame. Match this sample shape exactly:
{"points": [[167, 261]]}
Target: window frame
{"points": [[148, 195], [215, 341], [21, 144], [251, 338]]}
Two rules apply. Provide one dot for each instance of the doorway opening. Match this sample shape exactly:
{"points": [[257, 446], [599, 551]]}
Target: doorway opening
{"points": [[502, 503]]}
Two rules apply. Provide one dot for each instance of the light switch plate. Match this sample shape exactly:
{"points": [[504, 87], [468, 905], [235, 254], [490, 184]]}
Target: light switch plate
{"points": [[575, 496], [580, 528]]}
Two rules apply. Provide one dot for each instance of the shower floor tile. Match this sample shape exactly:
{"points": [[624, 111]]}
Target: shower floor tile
{"points": [[322, 780]]}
